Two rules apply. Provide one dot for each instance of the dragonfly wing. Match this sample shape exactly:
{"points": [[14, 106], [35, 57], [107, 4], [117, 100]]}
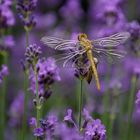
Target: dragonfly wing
{"points": [[111, 54], [113, 40], [67, 59], [58, 43]]}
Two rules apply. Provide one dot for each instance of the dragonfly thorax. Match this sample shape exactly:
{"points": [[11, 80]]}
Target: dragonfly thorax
{"points": [[84, 41]]}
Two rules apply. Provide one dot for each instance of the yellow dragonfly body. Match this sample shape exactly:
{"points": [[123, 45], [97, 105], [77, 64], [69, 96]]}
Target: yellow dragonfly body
{"points": [[101, 46], [87, 44]]}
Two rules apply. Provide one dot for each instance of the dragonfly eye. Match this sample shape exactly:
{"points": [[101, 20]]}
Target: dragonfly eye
{"points": [[81, 36]]}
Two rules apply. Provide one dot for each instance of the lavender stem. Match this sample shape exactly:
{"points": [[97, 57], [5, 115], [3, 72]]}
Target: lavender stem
{"points": [[24, 125], [130, 105], [80, 102]]}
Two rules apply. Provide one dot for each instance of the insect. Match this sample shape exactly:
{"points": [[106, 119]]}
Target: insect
{"points": [[101, 46]]}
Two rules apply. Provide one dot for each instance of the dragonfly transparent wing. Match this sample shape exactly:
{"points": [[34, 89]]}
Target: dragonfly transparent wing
{"points": [[72, 49], [111, 54], [113, 40], [67, 59], [58, 43]]}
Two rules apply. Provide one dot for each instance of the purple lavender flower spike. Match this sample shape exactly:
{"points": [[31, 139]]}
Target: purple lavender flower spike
{"points": [[3, 72], [25, 9], [9, 41], [7, 17], [137, 102], [16, 110], [33, 122], [71, 12], [134, 29], [52, 120], [47, 71], [86, 115], [32, 54], [95, 130], [68, 117], [65, 133], [109, 19], [38, 132], [49, 125]]}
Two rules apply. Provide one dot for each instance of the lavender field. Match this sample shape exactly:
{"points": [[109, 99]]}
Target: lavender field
{"points": [[69, 70]]}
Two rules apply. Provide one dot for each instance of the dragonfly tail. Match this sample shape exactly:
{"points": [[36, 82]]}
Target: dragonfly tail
{"points": [[90, 57]]}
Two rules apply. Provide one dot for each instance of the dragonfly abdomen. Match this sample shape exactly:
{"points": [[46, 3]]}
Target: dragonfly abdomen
{"points": [[93, 66]]}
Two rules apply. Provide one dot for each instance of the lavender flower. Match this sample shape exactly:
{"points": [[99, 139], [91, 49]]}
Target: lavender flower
{"points": [[49, 124], [86, 115], [16, 110], [47, 71], [137, 102], [33, 122], [3, 72], [50, 128], [95, 130], [6, 15], [83, 68], [32, 54], [9, 41], [38, 132], [63, 132], [25, 9], [7, 2], [134, 29], [69, 119], [71, 12], [47, 74], [6, 43], [109, 19], [92, 129]]}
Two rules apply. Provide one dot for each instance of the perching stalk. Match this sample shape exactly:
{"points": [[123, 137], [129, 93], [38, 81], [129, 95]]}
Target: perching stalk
{"points": [[80, 103]]}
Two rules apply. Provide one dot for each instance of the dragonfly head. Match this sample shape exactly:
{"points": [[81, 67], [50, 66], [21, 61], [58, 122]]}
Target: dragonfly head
{"points": [[84, 41], [82, 36]]}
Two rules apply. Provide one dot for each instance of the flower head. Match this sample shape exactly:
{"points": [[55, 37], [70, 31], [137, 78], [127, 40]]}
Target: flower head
{"points": [[49, 123], [3, 72], [38, 132], [6, 15], [75, 15], [47, 71], [25, 9], [16, 110], [134, 29], [95, 130], [32, 54], [33, 122], [63, 132]]}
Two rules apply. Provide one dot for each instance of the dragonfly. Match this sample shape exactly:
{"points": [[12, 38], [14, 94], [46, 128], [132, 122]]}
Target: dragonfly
{"points": [[102, 46]]}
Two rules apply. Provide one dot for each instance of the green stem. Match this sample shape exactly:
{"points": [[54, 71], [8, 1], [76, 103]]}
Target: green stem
{"points": [[130, 105], [27, 39], [24, 121], [112, 115], [80, 103], [38, 106]]}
